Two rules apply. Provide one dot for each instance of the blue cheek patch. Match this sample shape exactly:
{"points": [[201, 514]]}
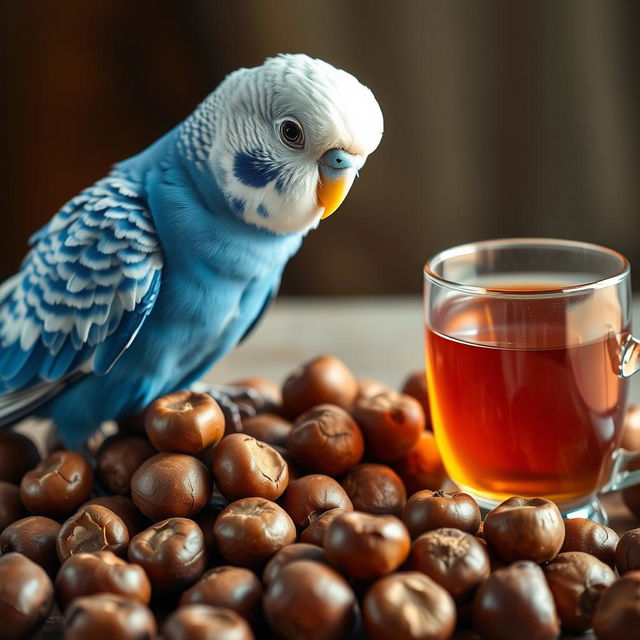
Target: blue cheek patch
{"points": [[253, 171], [237, 205], [262, 210]]}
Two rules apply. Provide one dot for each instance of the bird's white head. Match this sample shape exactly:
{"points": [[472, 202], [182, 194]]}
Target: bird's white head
{"points": [[284, 140]]}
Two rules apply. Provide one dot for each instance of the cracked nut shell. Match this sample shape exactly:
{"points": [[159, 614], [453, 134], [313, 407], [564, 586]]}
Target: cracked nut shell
{"points": [[525, 529], [244, 467], [326, 440], [577, 580]]}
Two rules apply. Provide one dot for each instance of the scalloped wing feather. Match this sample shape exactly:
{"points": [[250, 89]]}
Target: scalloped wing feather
{"points": [[83, 292]]}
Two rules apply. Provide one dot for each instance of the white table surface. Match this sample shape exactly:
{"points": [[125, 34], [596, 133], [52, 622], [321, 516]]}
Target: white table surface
{"points": [[377, 337]]}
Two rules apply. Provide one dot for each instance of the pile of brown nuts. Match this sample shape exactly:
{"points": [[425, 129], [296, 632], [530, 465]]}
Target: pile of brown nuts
{"points": [[297, 527]]}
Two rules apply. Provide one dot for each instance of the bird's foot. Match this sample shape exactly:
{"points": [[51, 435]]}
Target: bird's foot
{"points": [[236, 402]]}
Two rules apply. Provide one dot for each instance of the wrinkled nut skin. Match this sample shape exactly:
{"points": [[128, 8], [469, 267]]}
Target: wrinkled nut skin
{"points": [[582, 534], [296, 551], [18, 455], [631, 429], [101, 572], [375, 488], [525, 529], [234, 588], [249, 531], [422, 467], [515, 602], [309, 496], [118, 459], [456, 560], [244, 467], [11, 508], [364, 546], [309, 600], [58, 485], [171, 552], [34, 537], [267, 427], [406, 606], [427, 510], [171, 485], [577, 580], [205, 622], [108, 616], [124, 508], [415, 385], [391, 423], [323, 380], [185, 422], [314, 533], [628, 552], [617, 615], [26, 596], [92, 528], [326, 440]]}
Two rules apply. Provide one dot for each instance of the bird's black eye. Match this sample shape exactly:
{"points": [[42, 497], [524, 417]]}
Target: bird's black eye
{"points": [[291, 134]]}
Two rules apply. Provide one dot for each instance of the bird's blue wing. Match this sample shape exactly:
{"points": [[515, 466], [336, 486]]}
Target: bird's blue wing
{"points": [[81, 295]]}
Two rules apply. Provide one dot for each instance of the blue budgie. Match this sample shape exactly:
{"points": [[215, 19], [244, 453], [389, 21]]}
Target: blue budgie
{"points": [[148, 277]]}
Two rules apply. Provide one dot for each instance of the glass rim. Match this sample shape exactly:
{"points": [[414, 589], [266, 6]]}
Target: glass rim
{"points": [[503, 243]]}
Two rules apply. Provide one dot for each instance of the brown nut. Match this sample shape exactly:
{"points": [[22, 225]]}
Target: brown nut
{"points": [[375, 488], [427, 510], [119, 458], [290, 553], [307, 497], [627, 553], [171, 485], [11, 508], [92, 528], [244, 467], [422, 467], [391, 423], [577, 580], [101, 572], [234, 588], [364, 546], [204, 622], [323, 380], [269, 398], [309, 600], [457, 561], [18, 455], [368, 388], [171, 552], [267, 427], [185, 422], [34, 537], [326, 440], [515, 602], [314, 533], [26, 596], [617, 615], [124, 508], [58, 485], [406, 606], [415, 385], [582, 534], [525, 529], [108, 616], [249, 531]]}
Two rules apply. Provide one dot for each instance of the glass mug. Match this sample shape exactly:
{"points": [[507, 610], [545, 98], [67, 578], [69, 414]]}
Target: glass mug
{"points": [[528, 352]]}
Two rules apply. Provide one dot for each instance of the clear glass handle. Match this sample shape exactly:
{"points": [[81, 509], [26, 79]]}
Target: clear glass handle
{"points": [[630, 356], [621, 477]]}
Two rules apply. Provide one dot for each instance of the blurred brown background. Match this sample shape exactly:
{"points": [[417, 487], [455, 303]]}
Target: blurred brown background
{"points": [[502, 118]]}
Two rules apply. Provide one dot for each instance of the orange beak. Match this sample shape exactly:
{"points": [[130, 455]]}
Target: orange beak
{"points": [[331, 192]]}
